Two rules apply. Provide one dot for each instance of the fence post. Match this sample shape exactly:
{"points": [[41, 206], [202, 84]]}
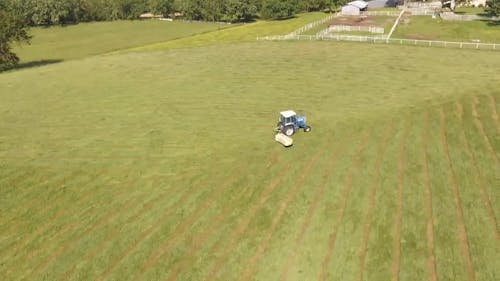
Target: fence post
{"points": [[477, 45], [461, 45]]}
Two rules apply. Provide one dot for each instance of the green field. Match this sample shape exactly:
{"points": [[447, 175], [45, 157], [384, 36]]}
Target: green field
{"points": [[85, 39], [427, 28], [160, 163]]}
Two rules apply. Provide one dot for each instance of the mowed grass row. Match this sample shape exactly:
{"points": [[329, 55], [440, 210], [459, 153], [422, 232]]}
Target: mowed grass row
{"points": [[169, 171]]}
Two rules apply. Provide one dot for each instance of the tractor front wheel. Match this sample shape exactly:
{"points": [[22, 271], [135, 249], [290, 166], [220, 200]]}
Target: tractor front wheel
{"points": [[307, 129], [289, 130]]}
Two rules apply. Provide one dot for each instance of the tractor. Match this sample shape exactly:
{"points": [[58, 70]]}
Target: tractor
{"points": [[289, 123]]}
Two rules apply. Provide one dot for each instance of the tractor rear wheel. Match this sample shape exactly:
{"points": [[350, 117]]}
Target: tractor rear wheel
{"points": [[288, 130], [307, 129]]}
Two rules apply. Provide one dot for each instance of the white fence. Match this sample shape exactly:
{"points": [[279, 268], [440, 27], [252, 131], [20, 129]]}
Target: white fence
{"points": [[421, 12], [380, 13], [430, 5], [453, 16], [371, 29], [312, 25], [383, 39]]}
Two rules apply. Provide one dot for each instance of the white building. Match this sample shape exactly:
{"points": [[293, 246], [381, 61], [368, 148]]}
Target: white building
{"points": [[354, 8]]}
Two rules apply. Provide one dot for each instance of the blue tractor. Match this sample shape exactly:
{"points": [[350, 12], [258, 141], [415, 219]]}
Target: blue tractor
{"points": [[289, 123]]}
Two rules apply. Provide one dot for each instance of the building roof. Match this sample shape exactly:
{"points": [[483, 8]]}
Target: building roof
{"points": [[288, 113], [359, 4]]}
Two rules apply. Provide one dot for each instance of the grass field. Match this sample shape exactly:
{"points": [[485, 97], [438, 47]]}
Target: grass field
{"points": [[84, 39], [427, 28], [160, 164]]}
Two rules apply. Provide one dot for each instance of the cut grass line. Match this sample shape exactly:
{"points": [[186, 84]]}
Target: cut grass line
{"points": [[310, 213], [147, 206], [464, 240], [181, 229], [345, 196], [477, 175], [56, 181], [251, 266], [152, 229], [241, 228], [127, 205], [480, 127], [431, 248], [494, 113], [371, 198], [396, 265], [200, 240], [49, 224]]}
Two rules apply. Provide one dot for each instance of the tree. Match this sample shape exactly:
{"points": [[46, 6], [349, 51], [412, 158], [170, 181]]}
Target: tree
{"points": [[279, 9], [13, 28], [493, 7], [240, 10]]}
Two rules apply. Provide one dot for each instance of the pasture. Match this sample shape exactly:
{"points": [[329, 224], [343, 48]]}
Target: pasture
{"points": [[160, 163], [59, 43], [427, 28]]}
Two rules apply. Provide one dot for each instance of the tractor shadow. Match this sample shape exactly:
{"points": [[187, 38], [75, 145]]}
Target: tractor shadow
{"points": [[30, 64]]}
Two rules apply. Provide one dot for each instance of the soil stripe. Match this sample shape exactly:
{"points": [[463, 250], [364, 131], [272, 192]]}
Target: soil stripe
{"points": [[291, 194], [396, 265], [371, 198], [146, 234], [129, 203], [241, 228], [200, 240], [477, 175], [310, 213], [24, 242], [494, 113], [464, 240], [181, 229], [345, 196], [480, 127], [146, 207], [221, 217], [431, 263]]}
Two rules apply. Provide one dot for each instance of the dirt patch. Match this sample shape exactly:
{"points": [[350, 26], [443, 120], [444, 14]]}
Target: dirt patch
{"points": [[420, 37], [361, 21]]}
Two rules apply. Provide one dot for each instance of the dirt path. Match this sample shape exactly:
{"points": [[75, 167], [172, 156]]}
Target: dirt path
{"points": [[345, 196], [464, 240], [371, 199], [396, 265], [310, 213], [431, 247], [477, 173]]}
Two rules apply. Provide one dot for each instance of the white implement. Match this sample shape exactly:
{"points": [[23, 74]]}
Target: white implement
{"points": [[283, 139]]}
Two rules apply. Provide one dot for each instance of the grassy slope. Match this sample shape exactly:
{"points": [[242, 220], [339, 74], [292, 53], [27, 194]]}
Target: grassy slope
{"points": [[155, 165], [425, 27], [84, 39], [244, 33]]}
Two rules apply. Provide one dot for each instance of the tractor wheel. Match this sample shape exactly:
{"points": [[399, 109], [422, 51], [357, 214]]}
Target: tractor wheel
{"points": [[307, 129], [288, 130]]}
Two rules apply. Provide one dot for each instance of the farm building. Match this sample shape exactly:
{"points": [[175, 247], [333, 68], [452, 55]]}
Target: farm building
{"points": [[354, 8]]}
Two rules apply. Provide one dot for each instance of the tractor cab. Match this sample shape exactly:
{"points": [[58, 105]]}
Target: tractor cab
{"points": [[288, 117], [289, 123]]}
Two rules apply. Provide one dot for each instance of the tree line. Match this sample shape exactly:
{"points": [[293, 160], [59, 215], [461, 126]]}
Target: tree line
{"points": [[53, 12]]}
